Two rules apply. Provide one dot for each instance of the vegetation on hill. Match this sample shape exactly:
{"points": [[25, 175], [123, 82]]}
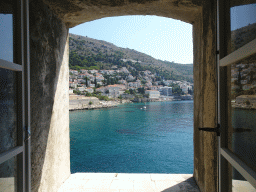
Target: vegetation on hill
{"points": [[242, 36], [87, 53]]}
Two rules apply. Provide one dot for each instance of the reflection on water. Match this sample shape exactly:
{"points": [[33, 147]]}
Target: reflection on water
{"points": [[8, 175], [243, 115], [243, 139], [243, 89]]}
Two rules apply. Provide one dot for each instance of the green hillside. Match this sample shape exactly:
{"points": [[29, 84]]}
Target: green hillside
{"points": [[88, 53]]}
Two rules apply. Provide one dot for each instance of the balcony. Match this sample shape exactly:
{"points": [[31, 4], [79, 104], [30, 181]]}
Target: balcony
{"points": [[130, 182]]}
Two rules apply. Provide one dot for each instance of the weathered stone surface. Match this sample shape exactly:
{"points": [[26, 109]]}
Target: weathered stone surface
{"points": [[133, 182], [50, 152], [49, 80], [205, 98], [75, 12]]}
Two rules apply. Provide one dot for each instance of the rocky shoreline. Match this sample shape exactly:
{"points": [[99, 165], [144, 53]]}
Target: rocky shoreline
{"points": [[243, 106], [78, 105], [89, 103]]}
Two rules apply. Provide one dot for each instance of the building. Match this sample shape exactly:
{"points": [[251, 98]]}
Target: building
{"points": [[93, 71], [113, 90], [166, 91], [130, 78], [72, 84], [35, 65], [89, 90], [81, 89], [153, 94], [184, 87]]}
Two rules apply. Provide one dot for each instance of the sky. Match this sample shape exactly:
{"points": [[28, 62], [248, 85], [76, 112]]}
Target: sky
{"points": [[160, 37], [6, 37], [242, 16]]}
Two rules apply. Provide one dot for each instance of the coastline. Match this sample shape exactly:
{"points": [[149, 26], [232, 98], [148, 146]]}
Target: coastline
{"points": [[77, 102], [83, 104], [243, 106]]}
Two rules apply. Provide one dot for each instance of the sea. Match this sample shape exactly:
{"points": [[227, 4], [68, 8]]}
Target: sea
{"points": [[153, 137]]}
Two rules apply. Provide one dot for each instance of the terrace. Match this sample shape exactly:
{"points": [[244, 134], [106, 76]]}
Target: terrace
{"points": [[118, 182]]}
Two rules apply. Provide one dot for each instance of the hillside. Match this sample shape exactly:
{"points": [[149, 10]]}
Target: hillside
{"points": [[87, 53], [242, 36]]}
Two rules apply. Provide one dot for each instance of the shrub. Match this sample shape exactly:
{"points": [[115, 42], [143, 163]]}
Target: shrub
{"points": [[77, 92], [88, 94], [90, 103], [127, 91], [105, 98], [247, 102], [120, 97]]}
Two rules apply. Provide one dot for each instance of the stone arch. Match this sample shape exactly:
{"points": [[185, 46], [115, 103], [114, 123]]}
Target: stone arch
{"points": [[49, 24], [75, 12]]}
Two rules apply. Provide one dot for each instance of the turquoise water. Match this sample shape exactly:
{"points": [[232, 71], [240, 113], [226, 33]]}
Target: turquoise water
{"points": [[130, 139]]}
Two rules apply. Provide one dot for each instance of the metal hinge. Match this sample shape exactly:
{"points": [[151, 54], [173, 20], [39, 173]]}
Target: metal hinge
{"points": [[27, 132], [216, 129]]}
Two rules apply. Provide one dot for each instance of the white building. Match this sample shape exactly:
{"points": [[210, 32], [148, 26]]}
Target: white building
{"points": [[113, 90], [89, 90], [130, 78], [80, 89], [166, 91], [93, 71], [75, 72], [72, 84], [153, 94]]}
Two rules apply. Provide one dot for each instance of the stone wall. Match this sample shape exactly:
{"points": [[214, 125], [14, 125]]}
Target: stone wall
{"points": [[49, 80], [50, 151], [83, 102], [205, 98], [75, 12]]}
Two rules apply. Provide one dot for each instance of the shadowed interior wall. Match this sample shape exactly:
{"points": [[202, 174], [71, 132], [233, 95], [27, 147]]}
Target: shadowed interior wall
{"points": [[49, 80], [50, 151]]}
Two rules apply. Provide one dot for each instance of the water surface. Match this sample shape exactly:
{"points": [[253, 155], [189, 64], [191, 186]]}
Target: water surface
{"points": [[131, 139]]}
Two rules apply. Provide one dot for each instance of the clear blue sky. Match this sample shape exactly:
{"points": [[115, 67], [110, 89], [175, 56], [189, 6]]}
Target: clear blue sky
{"points": [[242, 16], [6, 39], [160, 37]]}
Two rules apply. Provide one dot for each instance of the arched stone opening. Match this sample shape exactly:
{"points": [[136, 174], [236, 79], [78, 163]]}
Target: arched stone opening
{"points": [[49, 24]]}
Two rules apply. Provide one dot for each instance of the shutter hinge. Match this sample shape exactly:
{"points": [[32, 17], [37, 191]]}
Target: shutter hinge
{"points": [[216, 129], [27, 134]]}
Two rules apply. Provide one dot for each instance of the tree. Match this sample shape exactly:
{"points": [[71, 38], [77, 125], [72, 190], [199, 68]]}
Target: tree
{"points": [[86, 80], [162, 83], [88, 94], [239, 78], [143, 82], [120, 97], [127, 91], [141, 90], [95, 80], [176, 89], [190, 91], [77, 92], [132, 91]]}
